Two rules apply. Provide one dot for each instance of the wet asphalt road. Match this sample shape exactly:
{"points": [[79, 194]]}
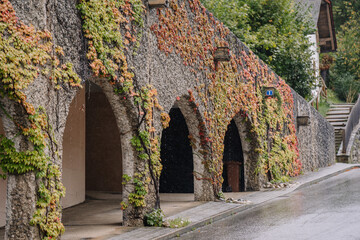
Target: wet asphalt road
{"points": [[326, 210]]}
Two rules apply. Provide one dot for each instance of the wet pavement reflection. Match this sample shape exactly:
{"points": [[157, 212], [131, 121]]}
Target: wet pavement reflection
{"points": [[326, 210]]}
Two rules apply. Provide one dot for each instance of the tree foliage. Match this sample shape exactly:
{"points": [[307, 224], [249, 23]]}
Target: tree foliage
{"points": [[345, 72], [344, 11], [276, 32]]}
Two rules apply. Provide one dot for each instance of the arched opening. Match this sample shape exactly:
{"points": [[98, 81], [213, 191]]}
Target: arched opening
{"points": [[3, 187], [233, 159], [92, 166], [103, 146], [176, 156]]}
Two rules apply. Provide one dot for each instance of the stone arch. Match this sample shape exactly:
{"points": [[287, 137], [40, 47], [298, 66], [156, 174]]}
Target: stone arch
{"points": [[21, 193], [126, 121], [115, 155], [176, 156], [203, 190], [249, 144], [233, 160], [103, 143]]}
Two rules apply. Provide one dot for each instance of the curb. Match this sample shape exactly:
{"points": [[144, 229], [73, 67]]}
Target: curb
{"points": [[315, 181], [222, 215], [210, 220]]}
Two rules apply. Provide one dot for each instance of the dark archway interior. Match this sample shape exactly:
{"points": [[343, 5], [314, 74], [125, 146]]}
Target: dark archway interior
{"points": [[233, 174], [176, 156], [103, 147]]}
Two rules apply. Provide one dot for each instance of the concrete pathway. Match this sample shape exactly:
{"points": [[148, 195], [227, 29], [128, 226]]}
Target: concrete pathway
{"points": [[213, 211], [100, 216]]}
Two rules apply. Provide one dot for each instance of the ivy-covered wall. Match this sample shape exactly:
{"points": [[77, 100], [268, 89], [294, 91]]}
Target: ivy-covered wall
{"points": [[145, 60], [37, 85]]}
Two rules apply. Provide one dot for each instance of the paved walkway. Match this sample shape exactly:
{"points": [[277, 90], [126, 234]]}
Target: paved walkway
{"points": [[213, 211], [100, 216]]}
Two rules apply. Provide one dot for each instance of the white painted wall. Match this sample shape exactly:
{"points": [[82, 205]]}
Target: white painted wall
{"points": [[315, 58], [74, 152]]}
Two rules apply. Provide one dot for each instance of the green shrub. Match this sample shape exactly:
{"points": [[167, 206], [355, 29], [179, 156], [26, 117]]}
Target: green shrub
{"points": [[345, 72], [155, 218], [345, 86], [283, 179], [221, 195], [179, 223]]}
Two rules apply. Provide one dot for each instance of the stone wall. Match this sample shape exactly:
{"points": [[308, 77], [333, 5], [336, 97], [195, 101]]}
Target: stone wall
{"points": [[316, 140], [61, 19], [354, 145], [355, 149], [2, 201], [172, 79], [2, 191]]}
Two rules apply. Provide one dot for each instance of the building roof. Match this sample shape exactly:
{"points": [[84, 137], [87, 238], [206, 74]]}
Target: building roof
{"points": [[326, 28], [322, 17], [309, 7]]}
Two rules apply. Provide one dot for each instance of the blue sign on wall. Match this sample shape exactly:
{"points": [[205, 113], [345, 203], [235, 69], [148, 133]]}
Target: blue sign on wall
{"points": [[269, 93]]}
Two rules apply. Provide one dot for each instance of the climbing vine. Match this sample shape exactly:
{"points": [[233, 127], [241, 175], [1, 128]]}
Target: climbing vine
{"points": [[25, 54], [229, 89], [113, 29]]}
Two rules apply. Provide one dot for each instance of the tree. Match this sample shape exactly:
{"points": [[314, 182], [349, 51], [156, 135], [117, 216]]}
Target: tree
{"points": [[276, 32], [344, 11], [345, 73]]}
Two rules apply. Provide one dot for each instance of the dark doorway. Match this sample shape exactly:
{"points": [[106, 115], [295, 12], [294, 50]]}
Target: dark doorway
{"points": [[103, 146], [176, 156], [233, 160]]}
